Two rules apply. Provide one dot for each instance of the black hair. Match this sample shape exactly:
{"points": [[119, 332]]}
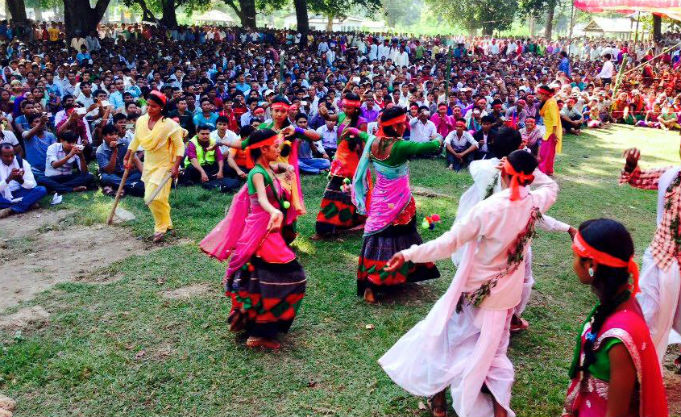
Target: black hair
{"points": [[119, 116], [487, 119], [68, 136], [301, 116], [203, 127], [109, 129], [245, 131], [258, 136], [355, 117], [389, 114], [222, 119], [611, 237], [523, 162]]}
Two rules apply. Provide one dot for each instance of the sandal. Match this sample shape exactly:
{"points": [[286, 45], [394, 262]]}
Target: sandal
{"points": [[108, 191], [256, 342], [438, 404]]}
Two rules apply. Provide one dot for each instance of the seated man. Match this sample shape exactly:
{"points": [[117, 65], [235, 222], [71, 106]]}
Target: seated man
{"points": [[65, 166], [204, 163], [36, 140], [485, 137], [570, 118], [239, 161], [110, 156], [459, 146], [306, 162], [18, 190]]}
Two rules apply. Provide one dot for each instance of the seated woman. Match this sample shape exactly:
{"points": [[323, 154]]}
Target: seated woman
{"points": [[615, 369]]}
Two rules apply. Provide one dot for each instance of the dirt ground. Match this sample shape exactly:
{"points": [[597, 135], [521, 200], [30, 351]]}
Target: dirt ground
{"points": [[49, 249], [672, 381]]}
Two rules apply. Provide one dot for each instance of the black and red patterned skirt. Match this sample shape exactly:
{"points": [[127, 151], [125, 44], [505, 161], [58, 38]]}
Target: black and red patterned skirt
{"points": [[337, 211]]}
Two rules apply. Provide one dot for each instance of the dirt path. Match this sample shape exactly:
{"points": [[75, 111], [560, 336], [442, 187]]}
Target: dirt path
{"points": [[47, 249]]}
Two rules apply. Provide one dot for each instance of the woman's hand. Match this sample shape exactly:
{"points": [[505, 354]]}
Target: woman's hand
{"points": [[394, 263], [631, 155], [288, 131], [276, 218], [351, 131]]}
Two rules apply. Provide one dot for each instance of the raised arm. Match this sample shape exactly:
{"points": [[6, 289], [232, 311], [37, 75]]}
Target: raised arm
{"points": [[635, 176]]}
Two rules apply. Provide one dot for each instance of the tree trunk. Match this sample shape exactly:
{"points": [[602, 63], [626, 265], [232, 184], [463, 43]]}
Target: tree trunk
{"points": [[657, 27], [329, 23], [38, 14], [487, 30], [245, 10], [147, 15], [549, 19], [169, 18], [80, 18], [530, 24], [302, 19], [17, 10]]}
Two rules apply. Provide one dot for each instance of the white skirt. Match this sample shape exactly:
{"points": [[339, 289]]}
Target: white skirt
{"points": [[660, 300]]}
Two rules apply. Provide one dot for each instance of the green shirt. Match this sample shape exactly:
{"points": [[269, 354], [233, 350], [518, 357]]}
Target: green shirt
{"points": [[403, 149]]}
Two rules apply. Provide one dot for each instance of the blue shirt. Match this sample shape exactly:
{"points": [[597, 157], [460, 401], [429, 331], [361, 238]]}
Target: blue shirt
{"points": [[104, 153], [36, 150], [200, 120], [564, 66], [116, 99]]}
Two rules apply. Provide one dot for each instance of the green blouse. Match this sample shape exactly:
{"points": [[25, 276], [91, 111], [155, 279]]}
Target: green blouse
{"points": [[403, 149]]}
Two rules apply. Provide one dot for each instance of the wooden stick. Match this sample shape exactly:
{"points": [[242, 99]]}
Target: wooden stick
{"points": [[153, 195], [119, 193]]}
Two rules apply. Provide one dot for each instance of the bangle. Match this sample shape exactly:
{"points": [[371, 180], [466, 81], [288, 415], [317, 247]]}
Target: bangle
{"points": [[299, 130]]}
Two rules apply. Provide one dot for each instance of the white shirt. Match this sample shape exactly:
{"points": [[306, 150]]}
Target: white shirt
{"points": [[9, 137], [230, 139], [422, 132], [6, 189], [329, 137], [466, 140], [55, 152], [494, 223], [607, 70]]}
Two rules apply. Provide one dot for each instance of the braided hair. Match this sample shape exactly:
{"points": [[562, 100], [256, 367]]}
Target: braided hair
{"points": [[611, 237]]}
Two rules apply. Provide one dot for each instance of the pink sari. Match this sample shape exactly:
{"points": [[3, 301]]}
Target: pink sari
{"points": [[243, 233], [388, 198], [588, 396]]}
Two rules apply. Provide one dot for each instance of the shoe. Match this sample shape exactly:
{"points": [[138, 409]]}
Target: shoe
{"points": [[519, 324], [5, 213]]}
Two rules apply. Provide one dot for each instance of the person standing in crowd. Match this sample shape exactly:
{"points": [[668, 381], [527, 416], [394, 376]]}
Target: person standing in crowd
{"points": [[162, 141], [607, 71], [660, 284], [19, 192], [553, 134], [612, 371], [462, 343], [264, 280], [391, 222], [337, 212]]}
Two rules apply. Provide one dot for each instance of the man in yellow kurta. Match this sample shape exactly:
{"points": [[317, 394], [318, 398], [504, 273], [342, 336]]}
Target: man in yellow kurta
{"points": [[161, 139], [553, 135]]}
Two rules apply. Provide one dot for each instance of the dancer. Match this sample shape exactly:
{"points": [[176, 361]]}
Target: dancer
{"points": [[391, 221], [264, 280], [161, 139], [337, 211], [462, 342], [614, 372], [486, 182], [660, 296], [553, 135]]}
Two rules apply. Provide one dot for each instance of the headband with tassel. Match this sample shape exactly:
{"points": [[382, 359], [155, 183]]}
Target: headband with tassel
{"points": [[516, 178], [391, 122]]}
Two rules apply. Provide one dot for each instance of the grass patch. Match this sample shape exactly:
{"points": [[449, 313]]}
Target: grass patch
{"points": [[125, 349]]}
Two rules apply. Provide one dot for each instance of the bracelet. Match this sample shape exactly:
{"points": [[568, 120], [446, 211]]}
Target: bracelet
{"points": [[299, 130]]}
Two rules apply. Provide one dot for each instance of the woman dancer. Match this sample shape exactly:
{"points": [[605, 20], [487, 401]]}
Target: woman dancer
{"points": [[161, 139], [391, 222], [337, 211], [553, 135], [615, 369], [264, 280], [462, 343]]}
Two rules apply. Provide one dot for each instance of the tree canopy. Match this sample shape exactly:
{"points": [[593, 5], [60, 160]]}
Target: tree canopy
{"points": [[488, 15]]}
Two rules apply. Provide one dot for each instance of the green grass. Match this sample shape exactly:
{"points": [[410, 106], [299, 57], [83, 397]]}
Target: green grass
{"points": [[84, 362]]}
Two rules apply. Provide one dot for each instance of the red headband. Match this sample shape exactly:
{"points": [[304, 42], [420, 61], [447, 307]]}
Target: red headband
{"points": [[159, 95], [394, 121], [460, 123], [352, 103], [545, 91], [516, 177], [280, 106], [266, 142], [584, 250]]}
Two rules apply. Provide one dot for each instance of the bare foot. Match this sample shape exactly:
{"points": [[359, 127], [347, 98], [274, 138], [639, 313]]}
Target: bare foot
{"points": [[158, 237], [79, 189], [256, 342], [5, 213], [438, 404], [369, 296]]}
